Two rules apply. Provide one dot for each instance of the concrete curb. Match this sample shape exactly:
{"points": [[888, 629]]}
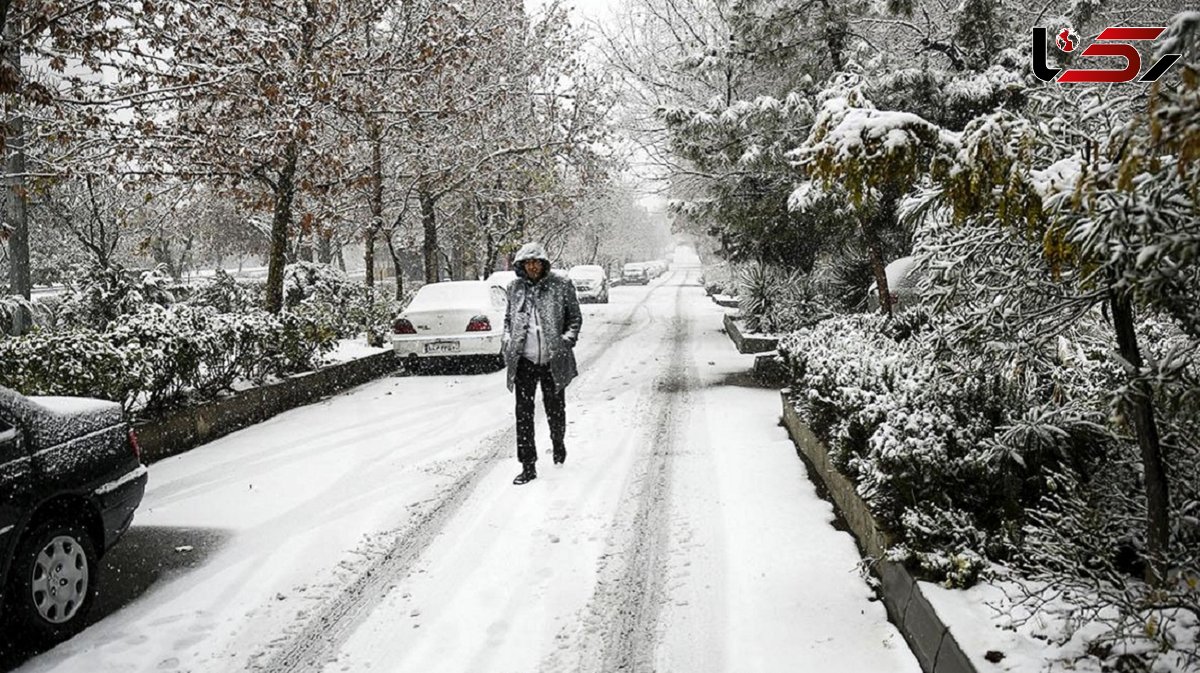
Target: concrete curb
{"points": [[182, 430], [927, 636], [748, 344], [726, 301], [770, 370]]}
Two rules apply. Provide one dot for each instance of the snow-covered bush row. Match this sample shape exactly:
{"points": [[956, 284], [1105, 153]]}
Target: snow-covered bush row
{"points": [[915, 445], [963, 454], [158, 356], [331, 298]]}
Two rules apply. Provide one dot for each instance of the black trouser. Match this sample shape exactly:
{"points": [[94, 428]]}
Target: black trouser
{"points": [[528, 376]]}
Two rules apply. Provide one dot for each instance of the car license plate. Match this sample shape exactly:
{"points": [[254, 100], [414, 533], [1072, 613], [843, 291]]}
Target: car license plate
{"points": [[441, 347]]}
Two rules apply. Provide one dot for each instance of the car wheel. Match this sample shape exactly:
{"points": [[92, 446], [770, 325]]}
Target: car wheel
{"points": [[52, 582]]}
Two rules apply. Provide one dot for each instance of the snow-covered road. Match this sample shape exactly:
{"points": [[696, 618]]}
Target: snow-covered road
{"points": [[379, 530]]}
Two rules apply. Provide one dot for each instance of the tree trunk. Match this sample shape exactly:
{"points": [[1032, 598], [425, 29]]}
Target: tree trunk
{"points": [[17, 214], [376, 204], [285, 193], [1158, 530], [490, 252], [458, 269], [325, 247], [341, 258], [398, 268], [883, 215], [429, 246], [369, 256], [878, 269]]}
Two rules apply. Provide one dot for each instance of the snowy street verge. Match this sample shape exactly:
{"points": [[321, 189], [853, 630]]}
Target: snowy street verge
{"points": [[929, 637], [187, 428]]}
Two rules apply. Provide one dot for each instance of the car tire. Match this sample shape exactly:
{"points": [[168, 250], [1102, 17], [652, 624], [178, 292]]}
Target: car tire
{"points": [[52, 582]]}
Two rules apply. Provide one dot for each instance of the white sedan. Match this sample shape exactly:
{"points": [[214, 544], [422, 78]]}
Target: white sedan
{"points": [[502, 278], [453, 319]]}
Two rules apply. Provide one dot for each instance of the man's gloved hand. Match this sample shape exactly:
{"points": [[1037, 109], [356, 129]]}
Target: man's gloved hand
{"points": [[569, 340]]}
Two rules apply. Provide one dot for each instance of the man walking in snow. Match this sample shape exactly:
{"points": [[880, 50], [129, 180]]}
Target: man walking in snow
{"points": [[541, 327]]}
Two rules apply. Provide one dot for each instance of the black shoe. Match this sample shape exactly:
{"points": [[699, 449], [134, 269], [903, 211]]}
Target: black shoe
{"points": [[560, 456], [528, 474]]}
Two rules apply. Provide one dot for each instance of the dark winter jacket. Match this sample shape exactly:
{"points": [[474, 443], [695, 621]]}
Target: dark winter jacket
{"points": [[558, 310]]}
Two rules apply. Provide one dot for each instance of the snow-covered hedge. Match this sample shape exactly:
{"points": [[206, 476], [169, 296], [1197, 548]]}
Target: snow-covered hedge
{"points": [[950, 451], [159, 356], [331, 298], [1019, 457], [133, 338], [915, 444], [95, 296]]}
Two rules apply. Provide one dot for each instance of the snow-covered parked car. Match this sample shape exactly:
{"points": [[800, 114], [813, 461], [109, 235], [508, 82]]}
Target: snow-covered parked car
{"points": [[71, 477], [634, 273], [452, 319], [591, 283], [901, 278], [501, 279]]}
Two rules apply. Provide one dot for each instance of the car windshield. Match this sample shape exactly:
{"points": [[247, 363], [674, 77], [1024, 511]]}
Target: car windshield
{"points": [[452, 295]]}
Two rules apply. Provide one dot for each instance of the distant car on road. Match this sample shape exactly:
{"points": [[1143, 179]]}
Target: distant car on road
{"points": [[455, 319], [657, 267], [635, 273], [71, 477], [591, 283]]}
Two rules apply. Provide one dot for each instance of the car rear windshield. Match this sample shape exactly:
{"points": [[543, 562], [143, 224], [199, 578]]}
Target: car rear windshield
{"points": [[467, 294]]}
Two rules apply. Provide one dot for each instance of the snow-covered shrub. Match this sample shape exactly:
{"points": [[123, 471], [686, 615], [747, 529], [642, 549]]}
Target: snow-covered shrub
{"points": [[1086, 537], [1021, 456], [162, 348], [95, 296], [774, 301], [80, 362], [301, 341], [227, 295], [947, 448], [718, 278], [335, 302]]}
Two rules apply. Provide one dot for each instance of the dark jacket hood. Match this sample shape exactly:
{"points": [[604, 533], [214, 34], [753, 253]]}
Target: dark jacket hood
{"points": [[527, 252]]}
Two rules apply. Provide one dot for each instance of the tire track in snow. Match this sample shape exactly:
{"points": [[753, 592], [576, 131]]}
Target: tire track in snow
{"points": [[622, 618], [310, 647]]}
